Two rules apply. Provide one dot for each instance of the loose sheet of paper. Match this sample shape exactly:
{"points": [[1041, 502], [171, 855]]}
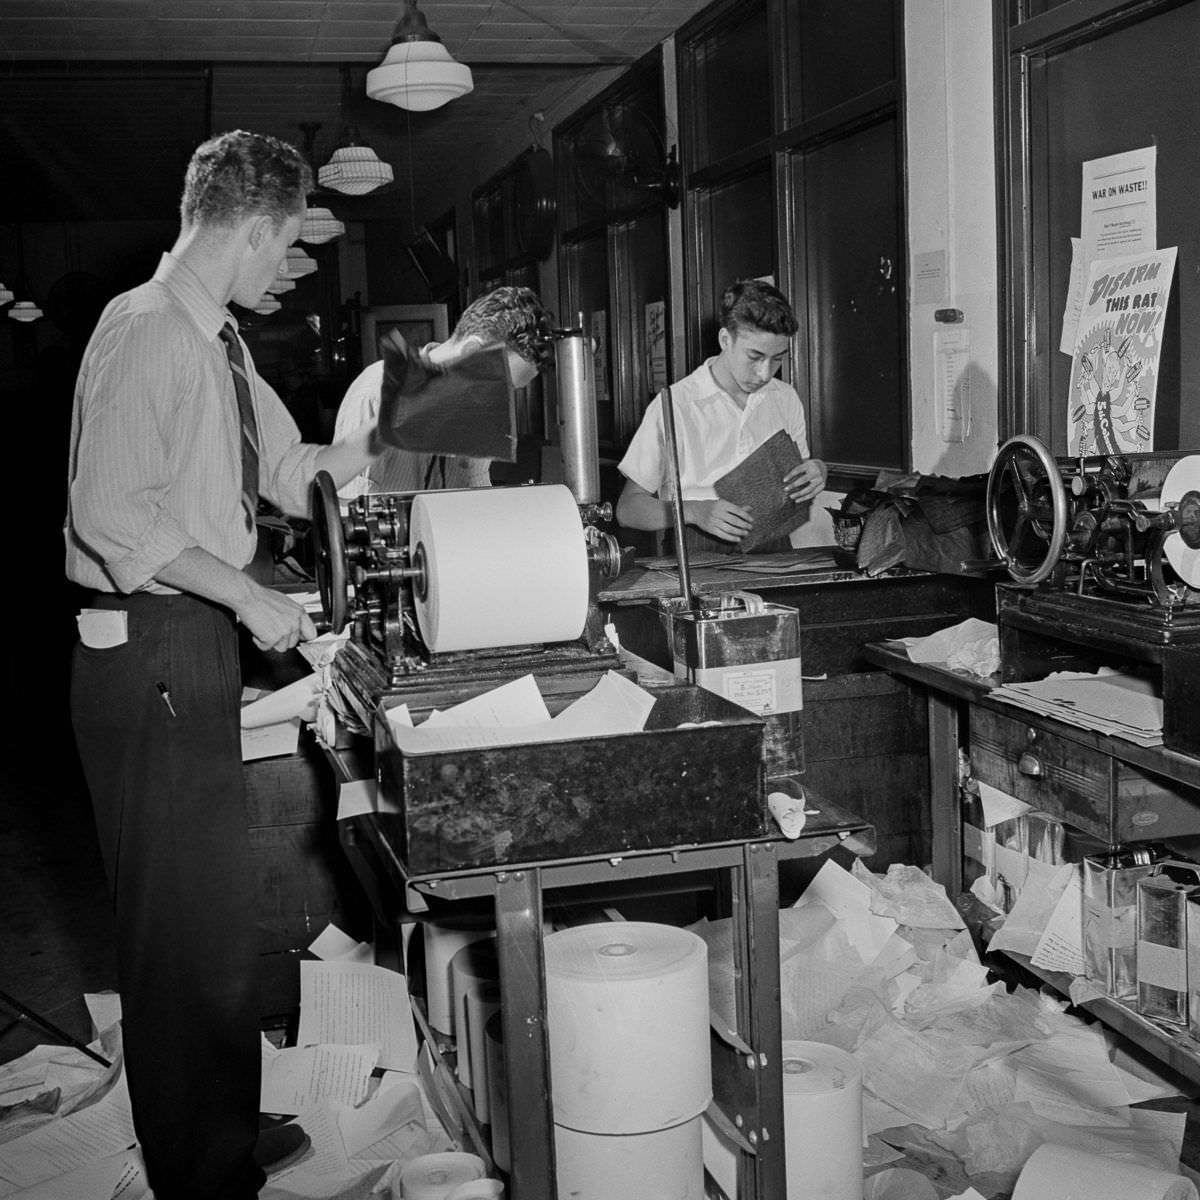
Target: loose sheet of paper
{"points": [[849, 900], [1060, 948], [74, 1141], [355, 1004], [516, 714], [300, 1076], [1044, 885]]}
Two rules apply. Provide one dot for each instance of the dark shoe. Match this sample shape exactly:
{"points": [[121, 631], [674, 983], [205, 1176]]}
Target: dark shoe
{"points": [[280, 1146]]}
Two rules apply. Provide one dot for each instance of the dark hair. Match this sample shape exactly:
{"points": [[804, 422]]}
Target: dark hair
{"points": [[238, 174], [752, 304], [514, 316]]}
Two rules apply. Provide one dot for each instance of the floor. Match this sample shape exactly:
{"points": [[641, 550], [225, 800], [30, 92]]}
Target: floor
{"points": [[57, 941]]}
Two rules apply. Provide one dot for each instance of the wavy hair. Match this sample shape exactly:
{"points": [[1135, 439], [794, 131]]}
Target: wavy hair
{"points": [[238, 174]]}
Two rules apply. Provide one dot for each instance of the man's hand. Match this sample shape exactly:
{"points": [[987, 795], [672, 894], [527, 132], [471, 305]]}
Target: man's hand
{"points": [[275, 621], [722, 518], [806, 481]]}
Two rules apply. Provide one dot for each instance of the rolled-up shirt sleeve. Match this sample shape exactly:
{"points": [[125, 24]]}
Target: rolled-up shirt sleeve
{"points": [[121, 482]]}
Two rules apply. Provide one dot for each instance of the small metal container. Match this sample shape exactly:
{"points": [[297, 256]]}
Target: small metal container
{"points": [[748, 651], [1162, 961], [1110, 897]]}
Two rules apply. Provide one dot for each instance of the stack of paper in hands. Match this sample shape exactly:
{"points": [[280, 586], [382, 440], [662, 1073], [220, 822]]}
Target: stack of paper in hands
{"points": [[1109, 702]]}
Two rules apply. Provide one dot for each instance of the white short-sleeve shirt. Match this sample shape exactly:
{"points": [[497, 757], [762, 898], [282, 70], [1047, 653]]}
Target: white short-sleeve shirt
{"points": [[713, 435]]}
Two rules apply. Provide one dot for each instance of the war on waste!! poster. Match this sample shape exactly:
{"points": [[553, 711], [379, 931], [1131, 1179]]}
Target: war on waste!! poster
{"points": [[1114, 370]]}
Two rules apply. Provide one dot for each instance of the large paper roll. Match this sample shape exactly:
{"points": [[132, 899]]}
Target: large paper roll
{"points": [[478, 1189], [435, 1176], [444, 938], [667, 1164], [497, 1086], [627, 1012], [473, 968], [822, 1122], [482, 1000], [1182, 478], [1065, 1173], [503, 567]]}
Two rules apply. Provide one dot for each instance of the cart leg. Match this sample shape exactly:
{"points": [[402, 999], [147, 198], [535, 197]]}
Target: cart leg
{"points": [[523, 1017]]}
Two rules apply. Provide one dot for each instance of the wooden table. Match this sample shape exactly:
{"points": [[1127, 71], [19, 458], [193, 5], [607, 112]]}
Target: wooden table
{"points": [[952, 696]]}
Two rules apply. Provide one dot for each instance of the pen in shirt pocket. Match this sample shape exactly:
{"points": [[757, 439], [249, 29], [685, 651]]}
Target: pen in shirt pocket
{"points": [[166, 695]]}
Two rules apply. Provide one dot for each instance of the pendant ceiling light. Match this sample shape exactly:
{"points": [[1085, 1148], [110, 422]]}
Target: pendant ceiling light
{"points": [[354, 170], [281, 285], [25, 310], [417, 72], [320, 225], [6, 295], [267, 305]]}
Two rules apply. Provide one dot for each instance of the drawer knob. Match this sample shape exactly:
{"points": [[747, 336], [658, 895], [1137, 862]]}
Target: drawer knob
{"points": [[1030, 764]]}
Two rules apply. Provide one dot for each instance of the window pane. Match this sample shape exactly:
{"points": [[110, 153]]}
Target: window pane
{"points": [[844, 48], [854, 292], [642, 280], [730, 106], [738, 243]]}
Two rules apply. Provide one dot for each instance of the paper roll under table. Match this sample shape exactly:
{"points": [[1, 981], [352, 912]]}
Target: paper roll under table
{"points": [[667, 1164], [435, 1176], [822, 1122], [627, 1026], [497, 1087], [482, 1001], [444, 938], [478, 1189], [503, 567], [474, 966], [1056, 1172]]}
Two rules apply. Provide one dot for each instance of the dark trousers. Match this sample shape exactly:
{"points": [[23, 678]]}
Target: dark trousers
{"points": [[168, 796]]}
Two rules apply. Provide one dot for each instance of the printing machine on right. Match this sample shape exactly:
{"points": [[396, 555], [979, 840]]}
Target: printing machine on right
{"points": [[1104, 557]]}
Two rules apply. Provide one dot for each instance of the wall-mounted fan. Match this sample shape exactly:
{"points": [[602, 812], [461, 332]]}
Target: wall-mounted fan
{"points": [[623, 155], [533, 196]]}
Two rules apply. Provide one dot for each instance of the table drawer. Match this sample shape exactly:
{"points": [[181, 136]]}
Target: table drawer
{"points": [[1077, 783]]}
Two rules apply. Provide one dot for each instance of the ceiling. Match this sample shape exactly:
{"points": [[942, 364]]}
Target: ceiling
{"points": [[101, 101]]}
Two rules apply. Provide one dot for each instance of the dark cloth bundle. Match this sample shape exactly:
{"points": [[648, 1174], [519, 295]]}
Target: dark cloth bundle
{"points": [[928, 523], [465, 408]]}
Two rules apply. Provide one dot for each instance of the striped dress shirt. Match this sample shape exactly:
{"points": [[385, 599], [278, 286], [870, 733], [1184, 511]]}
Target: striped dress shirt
{"points": [[155, 458]]}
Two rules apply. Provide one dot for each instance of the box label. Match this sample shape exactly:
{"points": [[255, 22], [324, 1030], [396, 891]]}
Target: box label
{"points": [[763, 688]]}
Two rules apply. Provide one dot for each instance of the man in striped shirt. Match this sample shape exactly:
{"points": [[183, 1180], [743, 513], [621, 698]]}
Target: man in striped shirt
{"points": [[509, 316], [174, 434]]}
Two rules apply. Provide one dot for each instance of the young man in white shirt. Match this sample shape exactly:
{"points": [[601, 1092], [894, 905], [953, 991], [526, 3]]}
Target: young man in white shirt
{"points": [[724, 410]]}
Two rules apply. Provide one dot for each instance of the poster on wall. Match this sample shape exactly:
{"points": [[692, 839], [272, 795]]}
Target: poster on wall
{"points": [[600, 349], [1118, 216], [1114, 368], [656, 345]]}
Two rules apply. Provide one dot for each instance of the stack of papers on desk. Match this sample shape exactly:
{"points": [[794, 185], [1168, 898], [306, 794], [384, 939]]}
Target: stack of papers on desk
{"points": [[1108, 702]]}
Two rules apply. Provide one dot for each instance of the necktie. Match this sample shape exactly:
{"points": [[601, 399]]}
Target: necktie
{"points": [[249, 427]]}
